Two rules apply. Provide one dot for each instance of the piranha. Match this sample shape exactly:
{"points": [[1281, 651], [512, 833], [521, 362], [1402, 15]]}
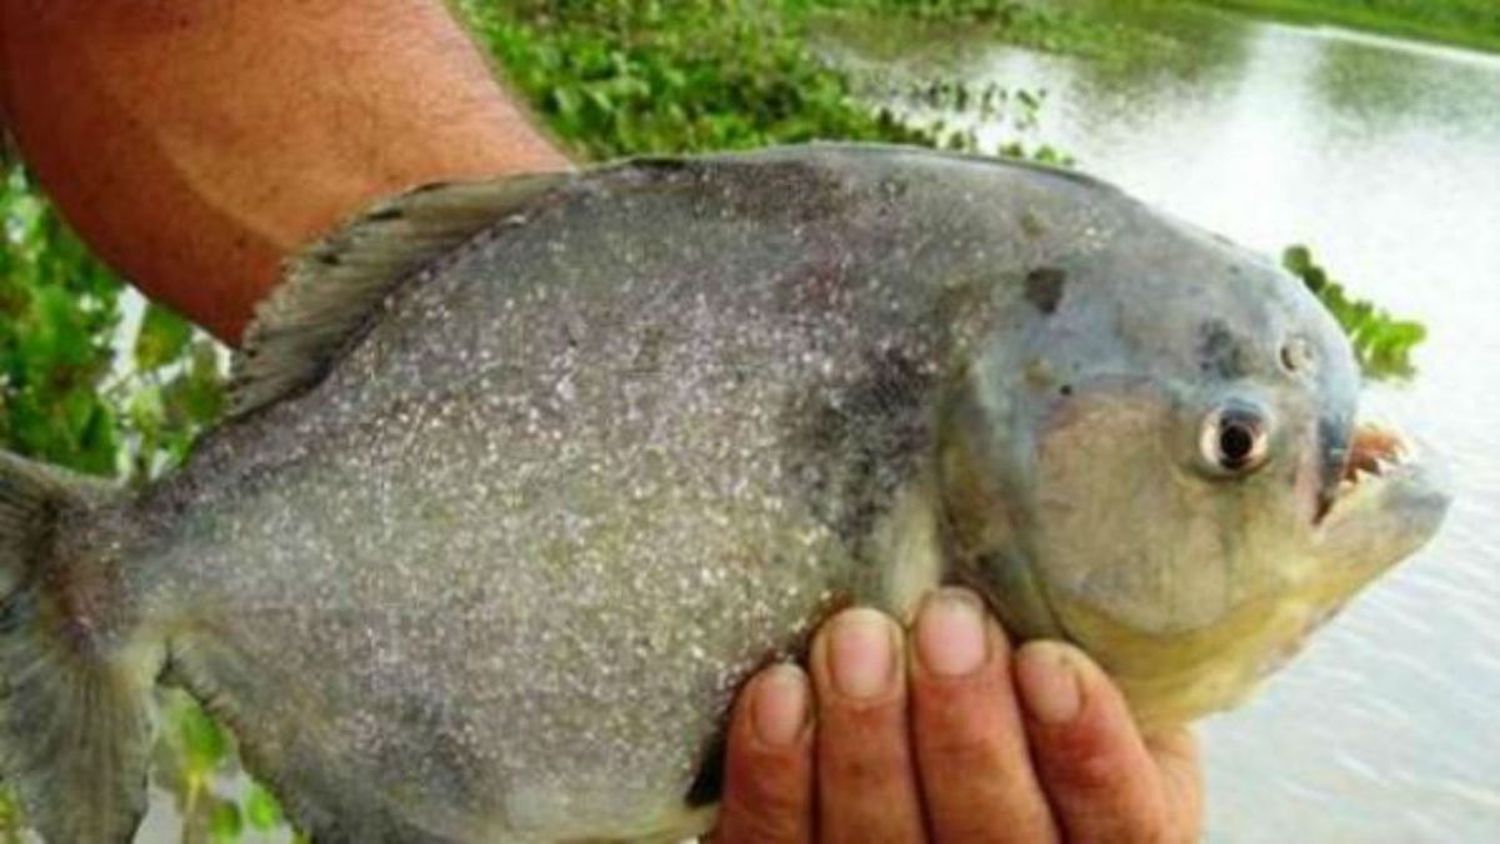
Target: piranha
{"points": [[523, 478]]}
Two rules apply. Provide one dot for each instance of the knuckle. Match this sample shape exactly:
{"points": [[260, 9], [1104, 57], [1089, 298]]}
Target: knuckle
{"points": [[1083, 763], [868, 771], [957, 754], [772, 799]]}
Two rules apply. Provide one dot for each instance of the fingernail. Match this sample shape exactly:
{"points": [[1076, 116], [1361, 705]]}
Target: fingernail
{"points": [[860, 653], [780, 708], [1049, 683], [950, 633]]}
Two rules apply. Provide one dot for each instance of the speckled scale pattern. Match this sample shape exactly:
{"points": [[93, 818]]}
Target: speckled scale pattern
{"points": [[499, 574]]}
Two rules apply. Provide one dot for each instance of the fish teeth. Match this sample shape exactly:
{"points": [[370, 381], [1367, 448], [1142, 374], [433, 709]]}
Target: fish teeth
{"points": [[1406, 450], [1362, 475], [1345, 486], [1384, 466]]}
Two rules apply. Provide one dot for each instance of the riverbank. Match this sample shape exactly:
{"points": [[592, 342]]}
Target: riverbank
{"points": [[1474, 24], [712, 75]]}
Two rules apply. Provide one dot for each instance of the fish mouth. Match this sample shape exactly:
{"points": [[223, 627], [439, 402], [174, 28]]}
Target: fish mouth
{"points": [[1377, 454], [1384, 505]]}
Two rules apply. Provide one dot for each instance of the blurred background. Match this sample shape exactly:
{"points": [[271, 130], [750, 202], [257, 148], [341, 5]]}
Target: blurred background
{"points": [[1359, 140]]}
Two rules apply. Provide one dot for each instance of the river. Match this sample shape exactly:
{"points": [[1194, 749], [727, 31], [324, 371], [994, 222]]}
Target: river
{"points": [[1384, 157]]}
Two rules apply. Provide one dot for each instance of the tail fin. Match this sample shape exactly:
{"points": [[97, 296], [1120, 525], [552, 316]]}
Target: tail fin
{"points": [[75, 728]]}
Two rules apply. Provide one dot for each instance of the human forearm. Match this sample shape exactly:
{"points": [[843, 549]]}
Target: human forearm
{"points": [[194, 144]]}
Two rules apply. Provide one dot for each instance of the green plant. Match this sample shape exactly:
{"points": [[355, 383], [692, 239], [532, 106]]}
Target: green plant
{"points": [[1382, 342], [630, 77]]}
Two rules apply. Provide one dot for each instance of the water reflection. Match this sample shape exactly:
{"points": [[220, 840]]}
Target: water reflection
{"points": [[1385, 157], [1385, 86]]}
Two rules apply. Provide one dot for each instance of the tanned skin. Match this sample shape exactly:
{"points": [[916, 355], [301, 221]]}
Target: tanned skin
{"points": [[196, 144]]}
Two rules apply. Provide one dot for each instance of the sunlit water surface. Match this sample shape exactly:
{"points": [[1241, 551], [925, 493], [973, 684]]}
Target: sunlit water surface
{"points": [[1384, 156]]}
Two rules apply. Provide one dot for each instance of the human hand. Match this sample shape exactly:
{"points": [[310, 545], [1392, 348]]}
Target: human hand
{"points": [[945, 734]]}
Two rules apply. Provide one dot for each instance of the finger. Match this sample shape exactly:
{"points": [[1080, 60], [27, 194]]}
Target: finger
{"points": [[1094, 765], [1176, 754], [768, 785], [867, 788], [977, 779]]}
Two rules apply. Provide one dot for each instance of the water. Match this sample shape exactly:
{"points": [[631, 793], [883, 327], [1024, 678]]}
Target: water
{"points": [[1384, 156]]}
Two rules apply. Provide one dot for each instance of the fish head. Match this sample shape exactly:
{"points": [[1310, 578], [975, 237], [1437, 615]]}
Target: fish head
{"points": [[1164, 467]]}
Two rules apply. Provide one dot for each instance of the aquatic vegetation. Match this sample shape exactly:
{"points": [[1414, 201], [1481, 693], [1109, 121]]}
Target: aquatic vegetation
{"points": [[632, 77], [1382, 343], [624, 78]]}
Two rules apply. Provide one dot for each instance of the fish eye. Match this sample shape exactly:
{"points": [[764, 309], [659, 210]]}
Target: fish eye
{"points": [[1235, 439]]}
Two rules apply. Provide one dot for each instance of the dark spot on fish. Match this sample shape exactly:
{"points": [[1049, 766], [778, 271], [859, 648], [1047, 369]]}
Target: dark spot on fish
{"points": [[893, 188], [1044, 288], [1066, 389], [648, 357], [329, 259], [1220, 352], [1032, 225], [860, 443]]}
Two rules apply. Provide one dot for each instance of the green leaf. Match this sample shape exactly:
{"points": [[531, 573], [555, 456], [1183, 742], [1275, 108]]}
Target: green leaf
{"points": [[204, 741], [225, 822], [162, 338], [261, 809], [1382, 343]]}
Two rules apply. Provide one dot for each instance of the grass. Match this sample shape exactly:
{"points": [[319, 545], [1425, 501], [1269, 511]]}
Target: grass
{"points": [[1465, 23]]}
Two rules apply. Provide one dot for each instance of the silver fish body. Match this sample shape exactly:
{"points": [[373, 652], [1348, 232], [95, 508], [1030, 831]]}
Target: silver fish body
{"points": [[496, 572]]}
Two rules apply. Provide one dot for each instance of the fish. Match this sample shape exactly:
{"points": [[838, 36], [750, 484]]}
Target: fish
{"points": [[523, 478]]}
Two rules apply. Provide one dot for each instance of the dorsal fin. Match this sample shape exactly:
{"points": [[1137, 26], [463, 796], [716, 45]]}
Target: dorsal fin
{"points": [[333, 286]]}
